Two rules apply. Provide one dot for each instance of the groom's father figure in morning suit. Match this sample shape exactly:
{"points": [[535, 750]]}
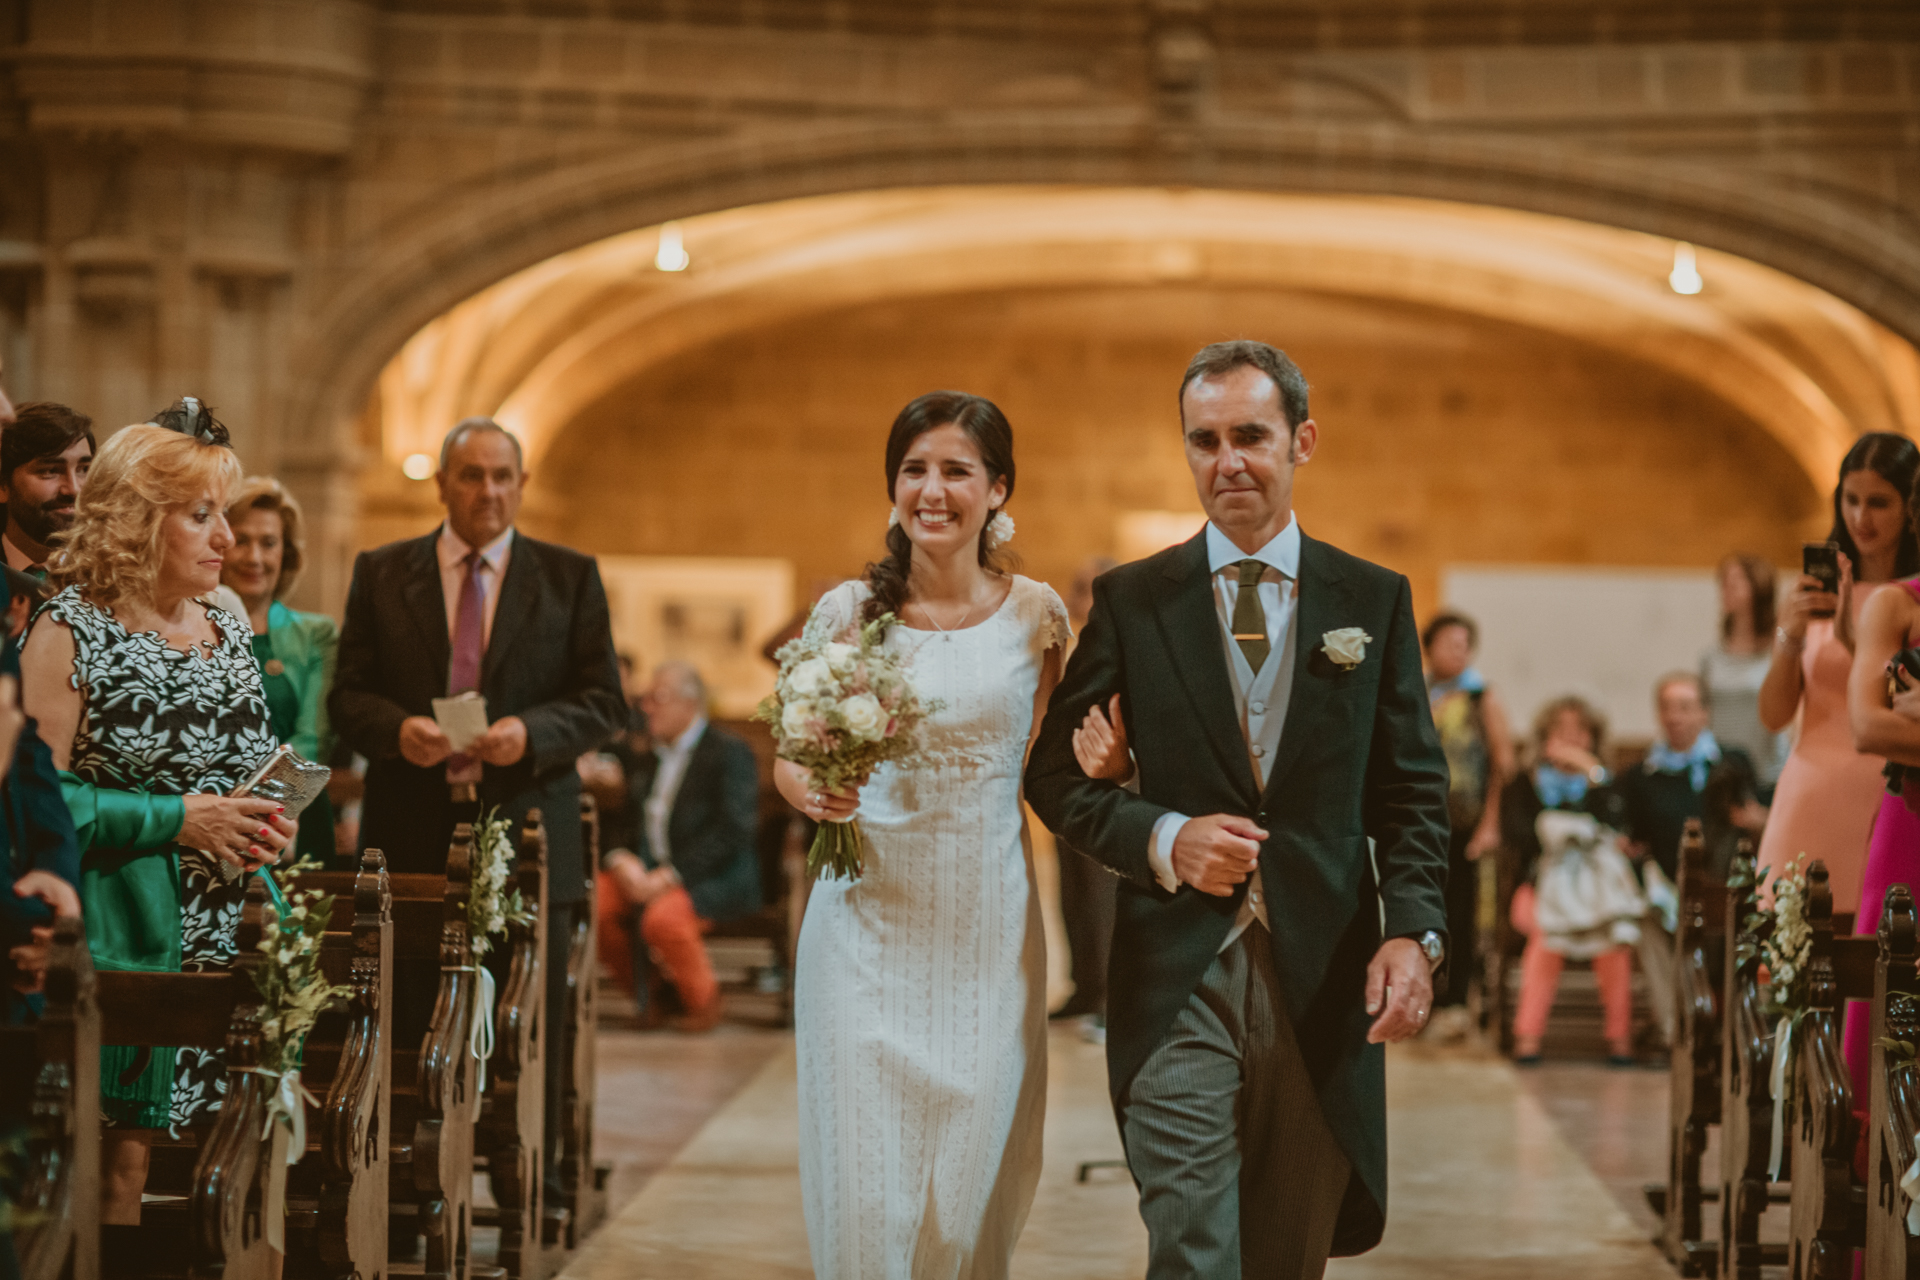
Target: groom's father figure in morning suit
{"points": [[478, 605], [1260, 955]]}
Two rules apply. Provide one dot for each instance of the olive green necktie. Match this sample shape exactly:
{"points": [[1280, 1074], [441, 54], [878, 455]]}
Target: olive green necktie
{"points": [[1249, 617]]}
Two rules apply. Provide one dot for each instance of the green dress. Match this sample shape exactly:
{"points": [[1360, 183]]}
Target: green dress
{"points": [[283, 710]]}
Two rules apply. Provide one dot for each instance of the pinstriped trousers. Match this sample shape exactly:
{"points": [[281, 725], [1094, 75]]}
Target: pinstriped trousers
{"points": [[1239, 1174]]}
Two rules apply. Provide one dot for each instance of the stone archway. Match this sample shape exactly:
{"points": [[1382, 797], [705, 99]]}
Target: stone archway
{"points": [[386, 291]]}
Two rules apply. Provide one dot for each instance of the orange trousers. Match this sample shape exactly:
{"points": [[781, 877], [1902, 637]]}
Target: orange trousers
{"points": [[671, 933], [1540, 978]]}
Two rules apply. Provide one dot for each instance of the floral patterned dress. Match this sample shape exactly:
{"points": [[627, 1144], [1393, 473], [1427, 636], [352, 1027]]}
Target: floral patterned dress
{"points": [[172, 722]]}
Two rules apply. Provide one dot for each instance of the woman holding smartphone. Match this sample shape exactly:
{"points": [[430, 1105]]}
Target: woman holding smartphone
{"points": [[1828, 794]]}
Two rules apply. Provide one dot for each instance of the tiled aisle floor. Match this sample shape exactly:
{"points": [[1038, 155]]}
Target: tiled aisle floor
{"points": [[1484, 1184]]}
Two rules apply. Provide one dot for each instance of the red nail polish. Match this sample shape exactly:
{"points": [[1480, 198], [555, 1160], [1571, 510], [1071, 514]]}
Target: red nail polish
{"points": [[261, 834]]}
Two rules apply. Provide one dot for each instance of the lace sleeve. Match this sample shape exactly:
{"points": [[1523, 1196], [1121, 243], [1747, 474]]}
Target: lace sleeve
{"points": [[1052, 626], [835, 612]]}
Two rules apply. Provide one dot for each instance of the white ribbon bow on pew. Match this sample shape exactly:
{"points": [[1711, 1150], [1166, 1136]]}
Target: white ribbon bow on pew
{"points": [[1910, 1184], [1782, 1048], [481, 1041], [286, 1102]]}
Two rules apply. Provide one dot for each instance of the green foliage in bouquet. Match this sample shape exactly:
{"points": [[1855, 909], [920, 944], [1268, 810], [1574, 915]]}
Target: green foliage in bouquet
{"points": [[294, 992], [491, 905], [840, 709]]}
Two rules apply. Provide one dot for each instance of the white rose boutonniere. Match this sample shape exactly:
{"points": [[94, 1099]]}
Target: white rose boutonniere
{"points": [[1346, 648]]}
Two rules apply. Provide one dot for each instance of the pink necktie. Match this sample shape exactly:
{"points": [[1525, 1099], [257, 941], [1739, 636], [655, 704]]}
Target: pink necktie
{"points": [[469, 645]]}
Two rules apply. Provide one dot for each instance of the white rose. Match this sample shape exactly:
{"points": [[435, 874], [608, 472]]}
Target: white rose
{"points": [[841, 657], [811, 678], [794, 717], [865, 717], [1346, 647]]}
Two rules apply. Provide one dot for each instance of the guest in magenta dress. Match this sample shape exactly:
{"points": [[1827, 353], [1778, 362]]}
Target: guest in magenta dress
{"points": [[1829, 792], [1887, 724]]}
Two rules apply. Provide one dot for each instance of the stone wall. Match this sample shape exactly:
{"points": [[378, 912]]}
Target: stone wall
{"points": [[1446, 440], [260, 200]]}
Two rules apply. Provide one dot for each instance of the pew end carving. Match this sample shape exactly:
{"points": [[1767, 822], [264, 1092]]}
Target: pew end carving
{"points": [[337, 1206], [1746, 1098], [511, 1132], [1892, 1252], [50, 1108], [1694, 1099], [1828, 1204]]}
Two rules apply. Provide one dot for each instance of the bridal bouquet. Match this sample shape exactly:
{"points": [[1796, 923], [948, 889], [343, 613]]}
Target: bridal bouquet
{"points": [[840, 709]]}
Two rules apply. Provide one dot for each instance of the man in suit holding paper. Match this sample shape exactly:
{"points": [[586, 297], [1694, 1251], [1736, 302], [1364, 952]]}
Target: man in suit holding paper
{"points": [[476, 607]]}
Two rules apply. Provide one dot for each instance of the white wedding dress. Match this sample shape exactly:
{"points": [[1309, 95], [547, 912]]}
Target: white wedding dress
{"points": [[920, 996]]}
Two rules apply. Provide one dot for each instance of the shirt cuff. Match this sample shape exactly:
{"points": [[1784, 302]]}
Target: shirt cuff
{"points": [[1160, 850]]}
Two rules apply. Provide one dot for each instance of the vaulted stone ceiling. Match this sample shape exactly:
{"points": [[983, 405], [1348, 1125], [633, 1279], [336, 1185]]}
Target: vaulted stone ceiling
{"points": [[540, 347]]}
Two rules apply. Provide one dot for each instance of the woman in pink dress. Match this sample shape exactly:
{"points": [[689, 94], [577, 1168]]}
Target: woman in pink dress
{"points": [[1885, 724], [1828, 794]]}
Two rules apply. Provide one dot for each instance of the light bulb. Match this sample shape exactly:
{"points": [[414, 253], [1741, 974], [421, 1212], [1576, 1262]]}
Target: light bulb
{"points": [[1685, 277], [672, 255], [418, 466]]}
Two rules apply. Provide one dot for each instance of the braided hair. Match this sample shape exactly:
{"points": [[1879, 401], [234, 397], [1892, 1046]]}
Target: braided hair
{"points": [[990, 432]]}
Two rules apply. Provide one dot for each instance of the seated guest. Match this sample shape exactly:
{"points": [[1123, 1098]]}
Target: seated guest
{"points": [[150, 703], [1665, 789], [44, 454], [688, 860], [1564, 773], [1660, 794], [295, 650], [1730, 809]]}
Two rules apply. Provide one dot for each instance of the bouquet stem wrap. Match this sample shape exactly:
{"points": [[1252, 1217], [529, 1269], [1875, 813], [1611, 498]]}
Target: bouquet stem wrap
{"points": [[838, 850]]}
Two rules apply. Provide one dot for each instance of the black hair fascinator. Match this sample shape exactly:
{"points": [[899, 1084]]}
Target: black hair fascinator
{"points": [[191, 418]]}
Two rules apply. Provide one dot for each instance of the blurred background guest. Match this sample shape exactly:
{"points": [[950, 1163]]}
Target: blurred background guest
{"points": [[1667, 787], [1086, 888], [41, 862], [1828, 792], [1473, 731], [149, 699], [44, 454], [688, 860], [1660, 794], [1733, 670], [1563, 772], [295, 650], [1730, 810]]}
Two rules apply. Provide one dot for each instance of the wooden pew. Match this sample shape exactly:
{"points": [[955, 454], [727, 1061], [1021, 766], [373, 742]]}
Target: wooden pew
{"points": [[1694, 1101], [584, 1201], [510, 1135], [50, 1094], [214, 1225], [433, 1094], [1894, 1136], [1828, 1203], [1746, 1099], [337, 1196]]}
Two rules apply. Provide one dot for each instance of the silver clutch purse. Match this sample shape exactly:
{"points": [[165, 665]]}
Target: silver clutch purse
{"points": [[287, 779]]}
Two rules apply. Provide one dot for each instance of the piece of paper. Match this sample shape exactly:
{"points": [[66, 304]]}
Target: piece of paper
{"points": [[462, 719]]}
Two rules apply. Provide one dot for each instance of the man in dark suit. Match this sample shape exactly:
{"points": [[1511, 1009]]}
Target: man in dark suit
{"points": [[45, 453], [687, 860], [476, 606], [1278, 721]]}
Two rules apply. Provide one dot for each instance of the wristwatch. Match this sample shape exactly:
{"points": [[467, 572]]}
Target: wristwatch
{"points": [[1434, 947]]}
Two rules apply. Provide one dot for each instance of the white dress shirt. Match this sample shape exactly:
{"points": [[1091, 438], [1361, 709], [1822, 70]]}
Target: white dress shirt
{"points": [[1260, 696], [671, 771], [452, 550]]}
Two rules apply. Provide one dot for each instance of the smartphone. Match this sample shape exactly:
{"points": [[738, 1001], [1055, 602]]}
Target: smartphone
{"points": [[1821, 561]]}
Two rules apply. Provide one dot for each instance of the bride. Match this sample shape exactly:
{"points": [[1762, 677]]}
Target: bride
{"points": [[920, 989]]}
